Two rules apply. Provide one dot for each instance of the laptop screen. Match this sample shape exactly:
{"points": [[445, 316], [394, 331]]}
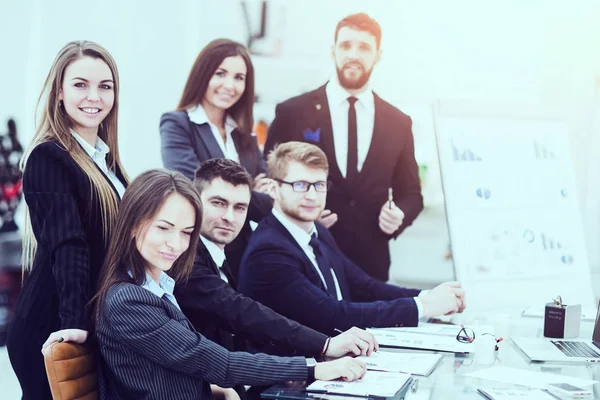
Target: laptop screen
{"points": [[596, 334]]}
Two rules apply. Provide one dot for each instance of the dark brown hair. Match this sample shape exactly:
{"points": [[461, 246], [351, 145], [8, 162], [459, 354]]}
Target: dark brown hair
{"points": [[228, 170], [203, 70], [361, 22], [305, 153], [142, 200]]}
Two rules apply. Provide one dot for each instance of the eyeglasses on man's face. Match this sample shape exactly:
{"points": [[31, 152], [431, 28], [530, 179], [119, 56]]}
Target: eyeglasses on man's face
{"points": [[303, 186]]}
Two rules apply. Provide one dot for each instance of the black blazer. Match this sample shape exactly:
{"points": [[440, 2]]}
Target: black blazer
{"points": [[276, 271], [218, 311], [150, 351], [67, 224], [390, 162], [185, 145]]}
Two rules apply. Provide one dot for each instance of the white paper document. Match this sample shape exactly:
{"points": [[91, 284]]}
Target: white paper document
{"points": [[515, 393], [412, 363], [442, 329], [373, 383], [524, 377], [410, 340]]}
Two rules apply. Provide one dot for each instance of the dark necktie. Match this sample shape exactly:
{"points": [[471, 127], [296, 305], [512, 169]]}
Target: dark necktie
{"points": [[227, 272], [323, 264], [352, 165]]}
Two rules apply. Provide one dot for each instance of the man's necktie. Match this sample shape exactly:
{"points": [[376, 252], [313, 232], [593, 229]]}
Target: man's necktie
{"points": [[352, 165], [227, 271], [323, 264]]}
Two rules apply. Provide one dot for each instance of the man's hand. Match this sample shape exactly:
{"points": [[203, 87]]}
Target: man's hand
{"points": [[445, 299], [328, 218], [355, 341], [390, 219]]}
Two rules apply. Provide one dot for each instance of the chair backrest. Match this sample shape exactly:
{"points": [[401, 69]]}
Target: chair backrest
{"points": [[71, 370]]}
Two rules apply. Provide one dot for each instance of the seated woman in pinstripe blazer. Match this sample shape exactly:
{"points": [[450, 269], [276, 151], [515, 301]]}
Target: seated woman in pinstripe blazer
{"points": [[149, 348]]}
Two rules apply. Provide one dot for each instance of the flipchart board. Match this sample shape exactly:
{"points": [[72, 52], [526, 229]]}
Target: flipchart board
{"points": [[513, 213]]}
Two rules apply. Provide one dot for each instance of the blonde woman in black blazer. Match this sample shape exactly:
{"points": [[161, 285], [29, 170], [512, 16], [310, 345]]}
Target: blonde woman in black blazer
{"points": [[214, 120], [149, 348], [72, 182]]}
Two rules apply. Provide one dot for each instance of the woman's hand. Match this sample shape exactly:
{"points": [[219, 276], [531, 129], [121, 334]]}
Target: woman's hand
{"points": [[261, 183], [66, 335], [349, 369], [219, 393]]}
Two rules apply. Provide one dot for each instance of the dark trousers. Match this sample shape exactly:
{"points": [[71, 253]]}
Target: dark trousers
{"points": [[25, 352]]}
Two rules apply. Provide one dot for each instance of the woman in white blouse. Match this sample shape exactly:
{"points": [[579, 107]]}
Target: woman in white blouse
{"points": [[214, 120]]}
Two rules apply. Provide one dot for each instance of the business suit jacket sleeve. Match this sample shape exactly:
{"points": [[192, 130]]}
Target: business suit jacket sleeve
{"points": [[207, 294], [57, 225], [279, 130], [405, 181], [272, 276], [143, 325], [176, 146]]}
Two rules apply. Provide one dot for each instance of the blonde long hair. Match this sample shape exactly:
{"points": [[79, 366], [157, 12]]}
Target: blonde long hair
{"points": [[55, 124]]}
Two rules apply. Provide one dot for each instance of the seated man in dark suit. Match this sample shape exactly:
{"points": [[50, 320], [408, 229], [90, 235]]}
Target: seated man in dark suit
{"points": [[209, 298], [294, 266]]}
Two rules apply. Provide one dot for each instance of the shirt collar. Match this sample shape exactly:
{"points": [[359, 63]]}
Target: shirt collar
{"points": [[101, 148], [297, 233], [338, 95], [166, 284], [217, 253], [198, 116]]}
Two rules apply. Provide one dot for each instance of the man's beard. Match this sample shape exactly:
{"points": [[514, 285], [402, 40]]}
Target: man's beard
{"points": [[353, 85]]}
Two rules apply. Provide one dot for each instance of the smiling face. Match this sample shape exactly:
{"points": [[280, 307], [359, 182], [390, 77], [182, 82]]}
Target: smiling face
{"points": [[301, 207], [355, 54], [227, 84], [167, 235], [87, 93], [225, 207]]}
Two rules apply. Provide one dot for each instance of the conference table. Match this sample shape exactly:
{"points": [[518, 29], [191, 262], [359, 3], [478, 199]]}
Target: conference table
{"points": [[448, 380]]}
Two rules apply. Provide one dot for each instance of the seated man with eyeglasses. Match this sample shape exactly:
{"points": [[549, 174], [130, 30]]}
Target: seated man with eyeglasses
{"points": [[293, 265]]}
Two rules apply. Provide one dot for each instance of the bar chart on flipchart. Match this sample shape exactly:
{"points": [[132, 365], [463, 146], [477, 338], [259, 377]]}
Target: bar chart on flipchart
{"points": [[513, 213]]}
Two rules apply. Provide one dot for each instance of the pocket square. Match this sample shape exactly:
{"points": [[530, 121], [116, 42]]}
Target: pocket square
{"points": [[313, 136]]}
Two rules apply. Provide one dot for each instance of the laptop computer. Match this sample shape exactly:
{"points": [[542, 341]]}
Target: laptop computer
{"points": [[562, 350]]}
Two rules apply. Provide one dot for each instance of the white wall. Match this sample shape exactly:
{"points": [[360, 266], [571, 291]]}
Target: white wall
{"points": [[535, 57]]}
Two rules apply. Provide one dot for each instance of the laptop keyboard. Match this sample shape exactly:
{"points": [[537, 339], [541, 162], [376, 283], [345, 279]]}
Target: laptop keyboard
{"points": [[576, 349]]}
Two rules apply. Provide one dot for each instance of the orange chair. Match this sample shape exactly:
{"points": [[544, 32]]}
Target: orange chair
{"points": [[71, 370]]}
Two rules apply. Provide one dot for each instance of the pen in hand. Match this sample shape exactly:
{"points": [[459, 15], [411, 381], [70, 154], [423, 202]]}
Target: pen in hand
{"points": [[336, 330], [390, 197]]}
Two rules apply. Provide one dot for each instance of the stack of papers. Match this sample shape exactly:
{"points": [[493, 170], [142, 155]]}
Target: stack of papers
{"points": [[413, 363], [524, 377], [373, 383], [422, 341], [442, 329], [521, 394]]}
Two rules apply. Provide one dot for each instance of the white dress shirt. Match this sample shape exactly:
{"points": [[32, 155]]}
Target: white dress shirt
{"points": [[198, 116], [303, 239], [337, 98], [98, 155], [164, 288], [217, 254]]}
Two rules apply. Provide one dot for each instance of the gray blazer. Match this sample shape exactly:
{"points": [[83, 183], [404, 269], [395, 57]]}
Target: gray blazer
{"points": [[149, 350]]}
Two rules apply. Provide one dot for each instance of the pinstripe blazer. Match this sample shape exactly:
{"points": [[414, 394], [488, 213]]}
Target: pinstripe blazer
{"points": [[67, 223], [150, 351]]}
